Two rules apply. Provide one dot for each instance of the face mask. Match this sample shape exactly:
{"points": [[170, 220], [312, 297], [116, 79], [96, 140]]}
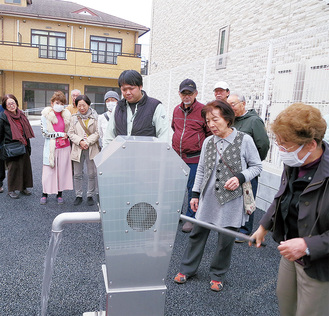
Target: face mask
{"points": [[58, 107], [110, 105], [291, 158]]}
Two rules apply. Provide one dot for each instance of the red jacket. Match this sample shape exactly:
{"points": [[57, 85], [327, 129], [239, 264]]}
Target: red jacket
{"points": [[190, 130]]}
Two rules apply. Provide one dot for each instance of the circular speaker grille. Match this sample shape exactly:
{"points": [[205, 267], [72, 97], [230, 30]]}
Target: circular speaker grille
{"points": [[141, 216]]}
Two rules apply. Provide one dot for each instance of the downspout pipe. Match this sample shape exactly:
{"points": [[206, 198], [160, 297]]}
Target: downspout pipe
{"points": [[74, 218]]}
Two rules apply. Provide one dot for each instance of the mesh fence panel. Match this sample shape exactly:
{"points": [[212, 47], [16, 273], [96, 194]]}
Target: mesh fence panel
{"points": [[271, 75]]}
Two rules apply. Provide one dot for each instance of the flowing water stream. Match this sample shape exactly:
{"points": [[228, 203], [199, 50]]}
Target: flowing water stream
{"points": [[51, 255]]}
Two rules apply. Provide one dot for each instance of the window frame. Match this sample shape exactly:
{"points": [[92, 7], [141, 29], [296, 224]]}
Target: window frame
{"points": [[13, 1], [222, 48], [45, 49], [105, 55], [48, 88]]}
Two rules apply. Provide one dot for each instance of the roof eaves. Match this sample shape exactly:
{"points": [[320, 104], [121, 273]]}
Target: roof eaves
{"points": [[141, 30]]}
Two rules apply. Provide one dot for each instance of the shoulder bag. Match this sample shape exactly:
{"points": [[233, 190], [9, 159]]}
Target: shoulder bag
{"points": [[11, 150]]}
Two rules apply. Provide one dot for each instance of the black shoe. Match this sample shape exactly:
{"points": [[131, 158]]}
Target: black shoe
{"points": [[90, 201], [77, 201]]}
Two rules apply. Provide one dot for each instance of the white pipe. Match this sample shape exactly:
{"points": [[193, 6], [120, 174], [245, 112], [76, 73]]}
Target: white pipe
{"points": [[72, 35], [17, 31], [72, 218], [85, 38], [204, 81], [267, 80]]}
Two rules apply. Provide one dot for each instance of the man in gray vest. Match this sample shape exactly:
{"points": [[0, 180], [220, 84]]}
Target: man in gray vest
{"points": [[250, 123], [136, 114]]}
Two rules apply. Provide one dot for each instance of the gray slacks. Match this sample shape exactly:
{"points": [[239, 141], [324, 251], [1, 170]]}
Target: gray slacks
{"points": [[78, 175], [193, 254]]}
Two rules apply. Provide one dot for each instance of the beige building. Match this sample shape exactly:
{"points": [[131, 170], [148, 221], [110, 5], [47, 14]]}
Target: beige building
{"points": [[49, 45]]}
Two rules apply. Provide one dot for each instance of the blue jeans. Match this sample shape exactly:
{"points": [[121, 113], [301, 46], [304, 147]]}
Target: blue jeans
{"points": [[247, 228], [190, 183]]}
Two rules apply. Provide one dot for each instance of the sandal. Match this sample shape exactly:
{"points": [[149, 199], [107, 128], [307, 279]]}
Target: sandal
{"points": [[216, 285], [180, 278]]}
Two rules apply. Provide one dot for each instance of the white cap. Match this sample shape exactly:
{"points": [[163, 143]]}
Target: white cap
{"points": [[222, 85]]}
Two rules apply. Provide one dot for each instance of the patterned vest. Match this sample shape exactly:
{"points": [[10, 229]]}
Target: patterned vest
{"points": [[232, 158]]}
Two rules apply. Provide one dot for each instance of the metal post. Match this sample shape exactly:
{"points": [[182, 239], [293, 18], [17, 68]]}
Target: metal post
{"points": [[267, 79]]}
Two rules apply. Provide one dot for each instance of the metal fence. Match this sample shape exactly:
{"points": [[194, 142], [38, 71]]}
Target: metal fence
{"points": [[271, 75], [100, 108]]}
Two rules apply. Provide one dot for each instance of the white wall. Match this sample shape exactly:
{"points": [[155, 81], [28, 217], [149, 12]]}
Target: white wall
{"points": [[183, 31]]}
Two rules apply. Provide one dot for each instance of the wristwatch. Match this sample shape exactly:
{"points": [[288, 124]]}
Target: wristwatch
{"points": [[307, 251]]}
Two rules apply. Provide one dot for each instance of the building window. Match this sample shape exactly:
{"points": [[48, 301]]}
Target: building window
{"points": [[13, 1], [222, 47], [105, 49], [96, 96], [51, 44], [37, 95]]}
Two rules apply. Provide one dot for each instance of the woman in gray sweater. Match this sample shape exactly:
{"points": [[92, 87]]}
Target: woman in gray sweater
{"points": [[228, 159]]}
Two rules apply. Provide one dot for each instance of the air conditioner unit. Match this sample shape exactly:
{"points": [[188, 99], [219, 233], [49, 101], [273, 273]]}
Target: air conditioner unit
{"points": [[288, 87], [221, 61], [316, 87]]}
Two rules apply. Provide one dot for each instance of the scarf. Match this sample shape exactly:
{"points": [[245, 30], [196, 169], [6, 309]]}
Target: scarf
{"points": [[85, 116], [27, 128]]}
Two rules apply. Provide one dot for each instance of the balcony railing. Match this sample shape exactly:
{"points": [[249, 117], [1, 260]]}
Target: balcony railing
{"points": [[66, 48]]}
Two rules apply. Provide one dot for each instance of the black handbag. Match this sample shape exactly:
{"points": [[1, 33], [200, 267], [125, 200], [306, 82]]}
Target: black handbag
{"points": [[11, 150]]}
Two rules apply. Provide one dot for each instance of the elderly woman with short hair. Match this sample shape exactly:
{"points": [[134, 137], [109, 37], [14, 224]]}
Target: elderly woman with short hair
{"points": [[228, 159], [299, 214], [83, 133]]}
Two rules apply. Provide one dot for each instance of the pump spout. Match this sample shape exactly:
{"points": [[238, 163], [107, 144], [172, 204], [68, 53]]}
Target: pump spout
{"points": [[71, 218]]}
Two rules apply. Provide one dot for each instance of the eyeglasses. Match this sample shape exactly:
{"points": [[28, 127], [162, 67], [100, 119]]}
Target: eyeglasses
{"points": [[11, 103], [235, 104], [282, 148]]}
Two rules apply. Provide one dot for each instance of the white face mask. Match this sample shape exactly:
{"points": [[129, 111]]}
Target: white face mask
{"points": [[291, 158], [58, 107], [110, 105]]}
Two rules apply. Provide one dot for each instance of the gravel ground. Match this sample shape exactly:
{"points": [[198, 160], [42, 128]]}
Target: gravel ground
{"points": [[77, 284]]}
